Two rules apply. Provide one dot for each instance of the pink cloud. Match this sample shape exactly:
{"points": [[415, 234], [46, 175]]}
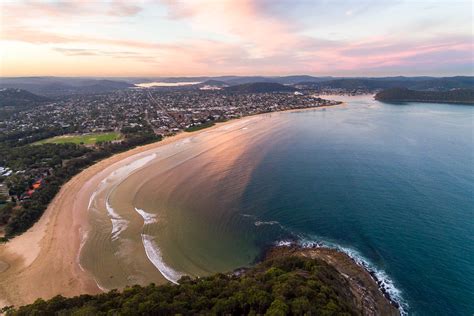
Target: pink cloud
{"points": [[251, 41], [67, 9], [261, 34]]}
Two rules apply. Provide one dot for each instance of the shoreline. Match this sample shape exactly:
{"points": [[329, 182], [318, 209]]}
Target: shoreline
{"points": [[397, 101], [48, 253]]}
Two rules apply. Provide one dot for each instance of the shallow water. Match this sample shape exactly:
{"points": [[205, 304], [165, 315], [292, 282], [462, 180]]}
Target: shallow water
{"points": [[390, 184]]}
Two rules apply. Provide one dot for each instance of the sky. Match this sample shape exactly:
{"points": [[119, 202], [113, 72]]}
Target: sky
{"points": [[236, 37]]}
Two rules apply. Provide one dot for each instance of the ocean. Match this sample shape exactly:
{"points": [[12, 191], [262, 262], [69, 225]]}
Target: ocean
{"points": [[390, 184]]}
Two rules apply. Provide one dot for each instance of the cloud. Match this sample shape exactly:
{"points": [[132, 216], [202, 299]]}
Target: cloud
{"points": [[76, 51], [86, 52], [241, 20], [228, 37], [123, 8], [68, 9]]}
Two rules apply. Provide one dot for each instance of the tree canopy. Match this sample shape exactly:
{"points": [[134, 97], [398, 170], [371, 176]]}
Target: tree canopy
{"points": [[280, 286]]}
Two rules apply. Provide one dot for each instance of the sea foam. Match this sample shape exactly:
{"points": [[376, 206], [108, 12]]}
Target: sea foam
{"points": [[259, 223], [153, 252], [154, 255], [148, 218], [91, 199], [119, 224], [384, 282]]}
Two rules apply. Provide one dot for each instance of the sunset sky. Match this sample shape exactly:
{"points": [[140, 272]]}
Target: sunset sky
{"points": [[239, 37]]}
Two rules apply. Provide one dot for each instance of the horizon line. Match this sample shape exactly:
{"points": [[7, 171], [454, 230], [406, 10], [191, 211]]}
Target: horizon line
{"points": [[230, 75]]}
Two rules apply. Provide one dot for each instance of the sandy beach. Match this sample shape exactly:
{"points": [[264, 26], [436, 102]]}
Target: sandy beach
{"points": [[47, 254], [44, 261]]}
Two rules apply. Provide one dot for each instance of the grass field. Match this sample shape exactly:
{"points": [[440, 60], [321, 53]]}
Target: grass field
{"points": [[86, 139]]}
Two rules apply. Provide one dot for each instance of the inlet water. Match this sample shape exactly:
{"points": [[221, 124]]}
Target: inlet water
{"points": [[393, 182]]}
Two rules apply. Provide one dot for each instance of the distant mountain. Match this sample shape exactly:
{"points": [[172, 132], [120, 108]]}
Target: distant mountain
{"points": [[302, 78], [260, 87], [280, 80], [57, 86], [101, 86], [19, 98], [447, 83], [415, 83], [406, 95], [243, 80], [215, 83]]}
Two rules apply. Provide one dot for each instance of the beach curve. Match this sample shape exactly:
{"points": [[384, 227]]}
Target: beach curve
{"points": [[48, 253]]}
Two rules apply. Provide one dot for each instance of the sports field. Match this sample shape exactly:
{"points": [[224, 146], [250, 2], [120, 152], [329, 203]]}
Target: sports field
{"points": [[86, 139]]}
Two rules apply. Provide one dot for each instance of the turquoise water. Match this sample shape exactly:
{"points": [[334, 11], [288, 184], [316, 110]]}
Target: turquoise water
{"points": [[390, 184], [393, 184]]}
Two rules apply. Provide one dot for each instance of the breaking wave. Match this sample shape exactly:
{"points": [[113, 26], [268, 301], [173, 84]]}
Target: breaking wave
{"points": [[154, 255], [153, 251], [91, 199], [148, 218], [119, 224], [259, 223]]}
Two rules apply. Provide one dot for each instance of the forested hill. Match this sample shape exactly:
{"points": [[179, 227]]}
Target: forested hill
{"points": [[405, 95], [279, 286], [19, 97], [60, 86]]}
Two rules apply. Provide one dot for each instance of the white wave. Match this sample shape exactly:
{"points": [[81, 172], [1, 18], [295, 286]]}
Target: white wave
{"points": [[103, 289], [154, 255], [284, 243], [91, 199], [84, 235], [134, 165], [384, 281], [148, 218], [119, 224], [259, 223]]}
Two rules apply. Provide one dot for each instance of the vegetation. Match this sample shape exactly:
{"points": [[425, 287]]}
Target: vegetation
{"points": [[86, 139], [16, 100], [199, 127], [53, 86], [59, 86], [406, 95], [415, 83], [19, 97], [260, 87], [282, 286], [53, 165]]}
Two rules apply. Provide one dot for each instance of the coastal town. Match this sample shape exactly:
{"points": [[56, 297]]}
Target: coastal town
{"points": [[165, 112], [47, 140]]}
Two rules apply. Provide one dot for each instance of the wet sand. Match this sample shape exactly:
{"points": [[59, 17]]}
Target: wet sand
{"points": [[44, 261], [166, 215]]}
